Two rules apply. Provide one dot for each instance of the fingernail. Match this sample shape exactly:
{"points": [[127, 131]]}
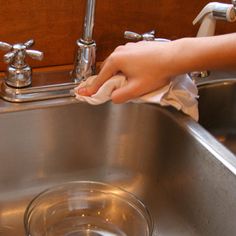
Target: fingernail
{"points": [[82, 91]]}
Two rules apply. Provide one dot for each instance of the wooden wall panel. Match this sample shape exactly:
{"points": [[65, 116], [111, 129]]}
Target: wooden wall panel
{"points": [[56, 24]]}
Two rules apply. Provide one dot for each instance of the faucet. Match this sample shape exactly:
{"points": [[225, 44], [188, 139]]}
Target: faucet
{"points": [[19, 72], [207, 17], [84, 65], [16, 85]]}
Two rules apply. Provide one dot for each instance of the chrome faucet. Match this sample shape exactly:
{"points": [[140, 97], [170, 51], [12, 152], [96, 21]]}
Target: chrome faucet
{"points": [[207, 17], [148, 36], [16, 86], [19, 72], [84, 65]]}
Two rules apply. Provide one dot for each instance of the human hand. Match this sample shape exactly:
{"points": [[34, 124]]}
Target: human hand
{"points": [[150, 65], [146, 66]]}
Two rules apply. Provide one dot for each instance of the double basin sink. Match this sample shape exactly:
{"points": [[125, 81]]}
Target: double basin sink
{"points": [[217, 107], [183, 171]]}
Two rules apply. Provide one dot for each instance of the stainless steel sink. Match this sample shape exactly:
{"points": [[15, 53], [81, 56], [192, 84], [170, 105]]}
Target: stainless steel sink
{"points": [[217, 107], [181, 173]]}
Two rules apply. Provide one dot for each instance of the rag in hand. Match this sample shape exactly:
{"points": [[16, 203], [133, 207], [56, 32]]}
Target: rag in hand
{"points": [[180, 93]]}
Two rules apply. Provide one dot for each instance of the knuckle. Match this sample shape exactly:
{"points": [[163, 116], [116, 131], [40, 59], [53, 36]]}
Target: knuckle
{"points": [[119, 48], [130, 44], [113, 58]]}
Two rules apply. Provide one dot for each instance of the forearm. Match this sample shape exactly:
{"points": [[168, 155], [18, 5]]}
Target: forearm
{"points": [[206, 53], [149, 66]]}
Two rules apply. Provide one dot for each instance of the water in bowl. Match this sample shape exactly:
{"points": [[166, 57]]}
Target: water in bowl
{"points": [[84, 226]]}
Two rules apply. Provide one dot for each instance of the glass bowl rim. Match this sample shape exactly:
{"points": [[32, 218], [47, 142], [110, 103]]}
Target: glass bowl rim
{"points": [[129, 197]]}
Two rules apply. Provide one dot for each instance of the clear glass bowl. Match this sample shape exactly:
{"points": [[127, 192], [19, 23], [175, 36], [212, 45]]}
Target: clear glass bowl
{"points": [[87, 208]]}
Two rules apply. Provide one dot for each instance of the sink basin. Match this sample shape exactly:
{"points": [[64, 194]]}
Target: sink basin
{"points": [[217, 108], [181, 173]]}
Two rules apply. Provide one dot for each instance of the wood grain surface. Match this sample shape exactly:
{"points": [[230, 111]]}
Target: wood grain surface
{"points": [[55, 25]]}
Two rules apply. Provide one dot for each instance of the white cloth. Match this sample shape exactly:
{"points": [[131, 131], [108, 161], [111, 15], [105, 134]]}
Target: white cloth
{"points": [[180, 93]]}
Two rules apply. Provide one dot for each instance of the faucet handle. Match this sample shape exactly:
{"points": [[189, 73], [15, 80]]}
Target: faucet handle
{"points": [[19, 72], [5, 46], [29, 43], [35, 54], [149, 36], [18, 51], [234, 2]]}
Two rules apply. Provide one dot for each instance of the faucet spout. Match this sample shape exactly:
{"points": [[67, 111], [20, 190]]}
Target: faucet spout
{"points": [[210, 13], [207, 17], [89, 21], [85, 59], [17, 86]]}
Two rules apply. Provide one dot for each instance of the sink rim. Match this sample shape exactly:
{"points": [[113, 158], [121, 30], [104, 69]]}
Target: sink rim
{"points": [[215, 82]]}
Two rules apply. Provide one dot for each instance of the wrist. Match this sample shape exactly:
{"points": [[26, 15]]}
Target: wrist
{"points": [[182, 56], [204, 53]]}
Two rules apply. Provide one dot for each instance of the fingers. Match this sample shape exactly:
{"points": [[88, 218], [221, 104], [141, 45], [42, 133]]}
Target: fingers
{"points": [[126, 93], [109, 68], [117, 49]]}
